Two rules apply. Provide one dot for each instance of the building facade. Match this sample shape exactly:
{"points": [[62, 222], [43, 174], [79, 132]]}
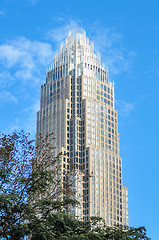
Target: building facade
{"points": [[77, 105]]}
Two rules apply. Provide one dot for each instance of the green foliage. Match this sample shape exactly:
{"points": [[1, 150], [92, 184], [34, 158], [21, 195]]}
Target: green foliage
{"points": [[30, 197], [16, 152], [27, 197]]}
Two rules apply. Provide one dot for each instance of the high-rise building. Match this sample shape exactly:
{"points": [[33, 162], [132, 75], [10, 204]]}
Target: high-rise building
{"points": [[77, 105]]}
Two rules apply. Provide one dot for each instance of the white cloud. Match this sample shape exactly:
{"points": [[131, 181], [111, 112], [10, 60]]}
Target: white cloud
{"points": [[22, 69], [153, 69], [23, 66], [114, 55], [125, 108], [26, 58], [60, 33], [58, 19], [25, 52], [5, 79], [7, 97], [9, 54], [25, 120], [104, 37]]}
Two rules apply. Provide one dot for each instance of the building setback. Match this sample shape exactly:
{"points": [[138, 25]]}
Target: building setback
{"points": [[77, 105]]}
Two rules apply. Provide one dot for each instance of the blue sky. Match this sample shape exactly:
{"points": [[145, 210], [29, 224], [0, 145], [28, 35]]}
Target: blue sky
{"points": [[127, 35]]}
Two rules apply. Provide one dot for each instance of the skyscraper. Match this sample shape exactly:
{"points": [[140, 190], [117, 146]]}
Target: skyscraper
{"points": [[77, 105]]}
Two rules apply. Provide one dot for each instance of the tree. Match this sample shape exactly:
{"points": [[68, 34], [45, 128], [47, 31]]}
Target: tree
{"points": [[16, 151], [30, 188], [63, 227], [30, 197]]}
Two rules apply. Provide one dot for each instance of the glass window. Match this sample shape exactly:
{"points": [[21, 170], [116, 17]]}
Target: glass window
{"points": [[58, 84]]}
